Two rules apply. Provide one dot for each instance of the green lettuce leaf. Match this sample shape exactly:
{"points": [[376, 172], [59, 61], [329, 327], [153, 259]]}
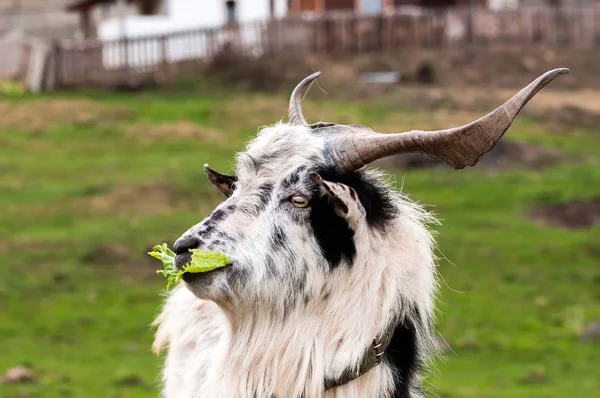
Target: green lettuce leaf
{"points": [[202, 261]]}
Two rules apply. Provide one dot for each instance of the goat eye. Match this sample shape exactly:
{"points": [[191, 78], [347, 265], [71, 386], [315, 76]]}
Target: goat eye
{"points": [[299, 201]]}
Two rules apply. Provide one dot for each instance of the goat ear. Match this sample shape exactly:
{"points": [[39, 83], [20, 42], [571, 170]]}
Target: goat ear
{"points": [[344, 199], [223, 182]]}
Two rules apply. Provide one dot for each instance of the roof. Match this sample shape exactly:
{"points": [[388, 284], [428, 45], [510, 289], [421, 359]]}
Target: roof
{"points": [[79, 5], [146, 7]]}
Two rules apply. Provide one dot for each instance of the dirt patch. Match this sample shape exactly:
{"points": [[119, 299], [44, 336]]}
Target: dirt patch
{"points": [[130, 380], [149, 132], [107, 254], [571, 215], [155, 197], [149, 198], [19, 375], [130, 262], [570, 115], [38, 115], [506, 155], [554, 108], [591, 332], [535, 376]]}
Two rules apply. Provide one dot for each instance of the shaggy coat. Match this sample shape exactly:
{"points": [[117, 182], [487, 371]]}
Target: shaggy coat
{"points": [[309, 288]]}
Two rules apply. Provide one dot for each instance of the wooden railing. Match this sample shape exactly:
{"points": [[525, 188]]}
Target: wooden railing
{"points": [[159, 58]]}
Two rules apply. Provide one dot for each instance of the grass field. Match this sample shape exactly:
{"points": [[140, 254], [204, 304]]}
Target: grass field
{"points": [[89, 183]]}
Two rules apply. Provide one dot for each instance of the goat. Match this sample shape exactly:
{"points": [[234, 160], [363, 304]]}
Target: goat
{"points": [[331, 291]]}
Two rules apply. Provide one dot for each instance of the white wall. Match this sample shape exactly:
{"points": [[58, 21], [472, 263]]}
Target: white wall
{"points": [[371, 6], [180, 15], [503, 4]]}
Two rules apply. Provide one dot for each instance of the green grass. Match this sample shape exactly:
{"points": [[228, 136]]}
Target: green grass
{"points": [[514, 294]]}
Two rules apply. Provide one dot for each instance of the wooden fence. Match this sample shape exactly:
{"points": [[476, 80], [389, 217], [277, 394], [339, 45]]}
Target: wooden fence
{"points": [[161, 58]]}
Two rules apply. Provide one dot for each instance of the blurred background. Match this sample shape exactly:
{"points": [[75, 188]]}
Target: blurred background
{"points": [[108, 110]]}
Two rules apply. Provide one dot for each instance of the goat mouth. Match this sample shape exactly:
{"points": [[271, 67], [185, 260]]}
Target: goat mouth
{"points": [[182, 259]]}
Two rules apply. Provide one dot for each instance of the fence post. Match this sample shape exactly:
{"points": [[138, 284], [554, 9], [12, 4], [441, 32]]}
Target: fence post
{"points": [[212, 46], [124, 50], [470, 23], [52, 78], [162, 58]]}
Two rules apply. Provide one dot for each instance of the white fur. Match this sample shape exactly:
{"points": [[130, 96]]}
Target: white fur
{"points": [[252, 342]]}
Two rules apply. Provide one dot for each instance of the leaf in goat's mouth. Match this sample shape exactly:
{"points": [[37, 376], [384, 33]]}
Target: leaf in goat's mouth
{"points": [[202, 261]]}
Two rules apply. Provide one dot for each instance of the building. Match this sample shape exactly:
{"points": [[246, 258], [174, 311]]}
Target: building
{"points": [[161, 17], [370, 6], [47, 19], [88, 11], [157, 19]]}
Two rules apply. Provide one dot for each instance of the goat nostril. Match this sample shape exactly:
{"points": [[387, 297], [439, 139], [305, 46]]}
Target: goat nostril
{"points": [[184, 244]]}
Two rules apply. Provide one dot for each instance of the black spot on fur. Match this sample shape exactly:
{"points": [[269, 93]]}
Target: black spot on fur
{"points": [[289, 304], [293, 178], [237, 275], [217, 216], [270, 266], [230, 209], [299, 279], [215, 244], [332, 232], [264, 196], [376, 200], [352, 193], [403, 355], [279, 237], [208, 230], [224, 236]]}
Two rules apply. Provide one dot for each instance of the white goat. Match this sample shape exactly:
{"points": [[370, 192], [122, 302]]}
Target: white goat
{"points": [[332, 283]]}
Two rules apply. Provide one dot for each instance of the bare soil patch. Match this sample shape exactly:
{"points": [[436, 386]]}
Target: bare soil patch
{"points": [[505, 155], [591, 332], [149, 132], [37, 115], [106, 254], [128, 261], [148, 198], [19, 375], [557, 108], [571, 215], [153, 197]]}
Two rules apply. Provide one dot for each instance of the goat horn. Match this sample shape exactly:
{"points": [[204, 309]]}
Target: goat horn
{"points": [[295, 110], [459, 146]]}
